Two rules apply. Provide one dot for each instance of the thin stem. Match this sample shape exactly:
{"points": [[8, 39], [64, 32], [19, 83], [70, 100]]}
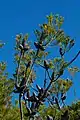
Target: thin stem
{"points": [[48, 74], [45, 80], [51, 40], [18, 67], [68, 64], [46, 70], [73, 59], [32, 66]]}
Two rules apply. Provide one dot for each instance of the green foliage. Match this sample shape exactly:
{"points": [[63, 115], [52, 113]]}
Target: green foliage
{"points": [[7, 111], [73, 112], [48, 100]]}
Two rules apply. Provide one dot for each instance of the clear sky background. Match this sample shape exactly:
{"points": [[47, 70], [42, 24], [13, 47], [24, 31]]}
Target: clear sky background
{"points": [[22, 16]]}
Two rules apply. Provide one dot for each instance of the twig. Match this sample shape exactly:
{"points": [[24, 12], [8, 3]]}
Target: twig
{"points": [[68, 64], [51, 40], [48, 75], [73, 59], [45, 80], [46, 70]]}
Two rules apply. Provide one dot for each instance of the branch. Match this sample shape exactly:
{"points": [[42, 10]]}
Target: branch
{"points": [[68, 65], [20, 105], [73, 59], [32, 66], [46, 70], [51, 81], [59, 74], [17, 73]]}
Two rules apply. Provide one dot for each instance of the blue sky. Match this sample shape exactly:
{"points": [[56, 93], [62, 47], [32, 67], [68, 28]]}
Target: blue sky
{"points": [[22, 16]]}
